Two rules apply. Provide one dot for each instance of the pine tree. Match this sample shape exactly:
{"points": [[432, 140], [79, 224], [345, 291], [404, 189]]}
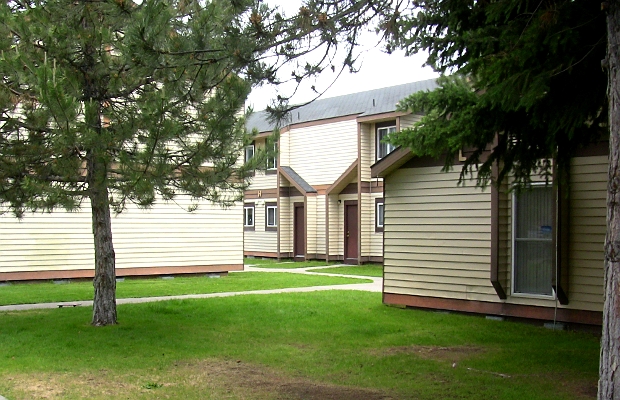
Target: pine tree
{"points": [[533, 82], [117, 101]]}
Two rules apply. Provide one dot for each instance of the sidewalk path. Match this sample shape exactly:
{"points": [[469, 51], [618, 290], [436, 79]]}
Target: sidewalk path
{"points": [[375, 286]]}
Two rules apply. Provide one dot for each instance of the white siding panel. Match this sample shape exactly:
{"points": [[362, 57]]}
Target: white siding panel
{"points": [[311, 225], [367, 150], [376, 238], [367, 223], [407, 121], [320, 224], [166, 235], [320, 154]]}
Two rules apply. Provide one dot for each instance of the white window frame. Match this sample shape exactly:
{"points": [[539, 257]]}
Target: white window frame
{"points": [[246, 209], [272, 162], [275, 216], [249, 152], [382, 131], [513, 251], [380, 214]]}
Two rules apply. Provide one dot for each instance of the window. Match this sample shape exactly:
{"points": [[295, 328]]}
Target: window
{"points": [[272, 162], [383, 149], [249, 152], [532, 243], [248, 216], [271, 216], [379, 214]]}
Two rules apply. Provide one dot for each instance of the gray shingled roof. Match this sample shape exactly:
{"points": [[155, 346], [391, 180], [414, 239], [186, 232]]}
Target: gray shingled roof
{"points": [[370, 102], [290, 172]]}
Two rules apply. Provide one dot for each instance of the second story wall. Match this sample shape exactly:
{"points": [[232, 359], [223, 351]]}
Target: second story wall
{"points": [[320, 153]]}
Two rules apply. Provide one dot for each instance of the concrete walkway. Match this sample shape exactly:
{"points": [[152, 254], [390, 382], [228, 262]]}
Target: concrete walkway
{"points": [[375, 286]]}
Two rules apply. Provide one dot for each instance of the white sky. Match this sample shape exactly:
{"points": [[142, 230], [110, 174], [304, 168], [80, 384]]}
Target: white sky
{"points": [[376, 70]]}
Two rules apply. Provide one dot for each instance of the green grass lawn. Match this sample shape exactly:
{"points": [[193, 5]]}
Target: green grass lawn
{"points": [[49, 292], [319, 345], [288, 264], [374, 270]]}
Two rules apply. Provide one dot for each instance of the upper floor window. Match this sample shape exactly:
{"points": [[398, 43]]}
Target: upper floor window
{"points": [[249, 152], [272, 162], [383, 148], [532, 241]]}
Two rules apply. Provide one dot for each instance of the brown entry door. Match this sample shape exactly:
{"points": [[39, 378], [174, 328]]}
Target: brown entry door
{"points": [[299, 235], [350, 232]]}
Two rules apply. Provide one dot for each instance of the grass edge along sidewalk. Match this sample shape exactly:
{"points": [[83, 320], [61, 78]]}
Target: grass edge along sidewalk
{"points": [[50, 295]]}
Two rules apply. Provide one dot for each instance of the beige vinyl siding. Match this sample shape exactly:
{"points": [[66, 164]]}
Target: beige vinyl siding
{"points": [[166, 235], [285, 148], [336, 227], [376, 238], [588, 192], [367, 150], [437, 236], [286, 224], [261, 180], [406, 121], [367, 223], [320, 154], [260, 240], [311, 225], [320, 224]]}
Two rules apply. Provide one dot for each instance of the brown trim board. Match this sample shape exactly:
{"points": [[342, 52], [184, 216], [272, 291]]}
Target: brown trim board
{"points": [[381, 117], [290, 191], [324, 121], [267, 254], [371, 259], [120, 272], [495, 281], [271, 193], [502, 309], [391, 162], [561, 223]]}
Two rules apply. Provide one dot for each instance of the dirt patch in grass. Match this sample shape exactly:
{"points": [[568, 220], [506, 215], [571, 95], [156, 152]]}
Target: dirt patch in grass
{"points": [[452, 354], [207, 379], [257, 382]]}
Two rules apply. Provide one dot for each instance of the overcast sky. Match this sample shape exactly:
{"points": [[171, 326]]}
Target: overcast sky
{"points": [[376, 70]]}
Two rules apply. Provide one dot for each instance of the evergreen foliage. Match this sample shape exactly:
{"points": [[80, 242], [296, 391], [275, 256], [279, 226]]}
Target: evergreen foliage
{"points": [[118, 101], [527, 83]]}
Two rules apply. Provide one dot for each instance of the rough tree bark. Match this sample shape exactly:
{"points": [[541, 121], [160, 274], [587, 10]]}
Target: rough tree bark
{"points": [[609, 380], [104, 304]]}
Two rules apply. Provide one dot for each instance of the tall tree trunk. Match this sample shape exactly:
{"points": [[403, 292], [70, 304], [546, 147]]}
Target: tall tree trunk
{"points": [[104, 304], [609, 376]]}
